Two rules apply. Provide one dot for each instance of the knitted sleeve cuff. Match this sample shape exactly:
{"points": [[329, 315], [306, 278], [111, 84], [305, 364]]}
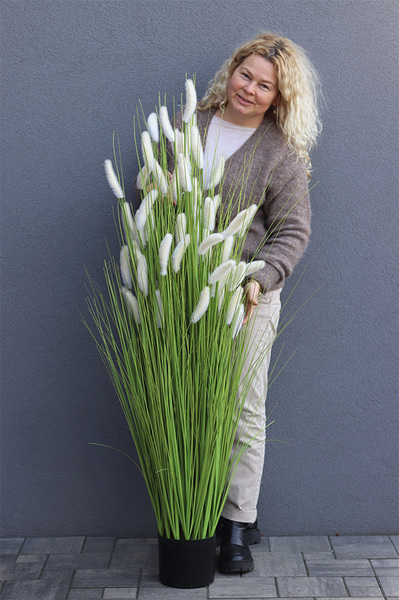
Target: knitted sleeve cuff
{"points": [[268, 278]]}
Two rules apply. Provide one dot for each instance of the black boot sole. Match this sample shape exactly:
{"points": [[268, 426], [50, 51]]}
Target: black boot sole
{"points": [[230, 568]]}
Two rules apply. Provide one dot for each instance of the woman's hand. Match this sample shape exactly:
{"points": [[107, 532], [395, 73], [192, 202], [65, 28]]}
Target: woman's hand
{"points": [[252, 291]]}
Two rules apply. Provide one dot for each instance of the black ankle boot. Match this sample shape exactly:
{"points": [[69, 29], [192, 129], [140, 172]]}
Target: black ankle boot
{"points": [[252, 532], [235, 555]]}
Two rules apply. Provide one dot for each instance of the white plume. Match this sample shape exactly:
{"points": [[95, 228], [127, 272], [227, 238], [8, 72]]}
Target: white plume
{"points": [[221, 271], [254, 266], [162, 183], [233, 305], [179, 142], [209, 214], [165, 124], [146, 150], [181, 225], [202, 305], [237, 275], [191, 101], [112, 179], [227, 247], [196, 147], [152, 124], [251, 210], [124, 263], [128, 221], [142, 275], [217, 173], [145, 207], [239, 318], [132, 304], [209, 241], [142, 178], [178, 252], [236, 224], [164, 251], [183, 170]]}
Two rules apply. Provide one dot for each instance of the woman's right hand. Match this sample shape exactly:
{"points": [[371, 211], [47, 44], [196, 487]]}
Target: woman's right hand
{"points": [[252, 291]]}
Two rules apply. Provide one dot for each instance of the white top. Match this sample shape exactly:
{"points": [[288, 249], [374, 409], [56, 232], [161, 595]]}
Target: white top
{"points": [[223, 138]]}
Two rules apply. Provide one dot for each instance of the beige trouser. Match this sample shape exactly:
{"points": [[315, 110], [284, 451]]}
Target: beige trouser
{"points": [[243, 495]]}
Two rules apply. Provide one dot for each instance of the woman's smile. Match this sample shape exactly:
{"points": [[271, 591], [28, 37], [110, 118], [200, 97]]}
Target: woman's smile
{"points": [[243, 100]]}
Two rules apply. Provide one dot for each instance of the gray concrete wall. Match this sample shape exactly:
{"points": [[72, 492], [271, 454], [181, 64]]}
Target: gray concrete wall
{"points": [[74, 71]]}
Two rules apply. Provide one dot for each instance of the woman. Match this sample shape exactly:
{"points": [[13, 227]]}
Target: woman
{"points": [[261, 104]]}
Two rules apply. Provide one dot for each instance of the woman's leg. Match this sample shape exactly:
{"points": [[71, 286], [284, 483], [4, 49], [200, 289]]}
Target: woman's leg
{"points": [[245, 486]]}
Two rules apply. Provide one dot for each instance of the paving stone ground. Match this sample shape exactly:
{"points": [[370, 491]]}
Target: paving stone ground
{"points": [[107, 568]]}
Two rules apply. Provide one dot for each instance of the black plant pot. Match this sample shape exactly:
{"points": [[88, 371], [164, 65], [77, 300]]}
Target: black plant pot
{"points": [[186, 563]]}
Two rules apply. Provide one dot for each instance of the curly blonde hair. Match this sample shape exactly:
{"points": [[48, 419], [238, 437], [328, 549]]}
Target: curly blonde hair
{"points": [[296, 112]]}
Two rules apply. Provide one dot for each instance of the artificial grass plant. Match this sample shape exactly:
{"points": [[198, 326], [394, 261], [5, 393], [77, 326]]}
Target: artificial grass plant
{"points": [[170, 328]]}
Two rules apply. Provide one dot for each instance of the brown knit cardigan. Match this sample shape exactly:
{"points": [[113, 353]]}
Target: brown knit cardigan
{"points": [[277, 181]]}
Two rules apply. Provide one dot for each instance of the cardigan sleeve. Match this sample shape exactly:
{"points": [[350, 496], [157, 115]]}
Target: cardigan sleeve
{"points": [[280, 230]]}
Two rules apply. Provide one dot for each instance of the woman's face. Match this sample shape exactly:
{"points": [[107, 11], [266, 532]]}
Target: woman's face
{"points": [[252, 89]]}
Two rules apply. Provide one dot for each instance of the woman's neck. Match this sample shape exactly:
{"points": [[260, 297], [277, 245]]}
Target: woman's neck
{"points": [[242, 120]]}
